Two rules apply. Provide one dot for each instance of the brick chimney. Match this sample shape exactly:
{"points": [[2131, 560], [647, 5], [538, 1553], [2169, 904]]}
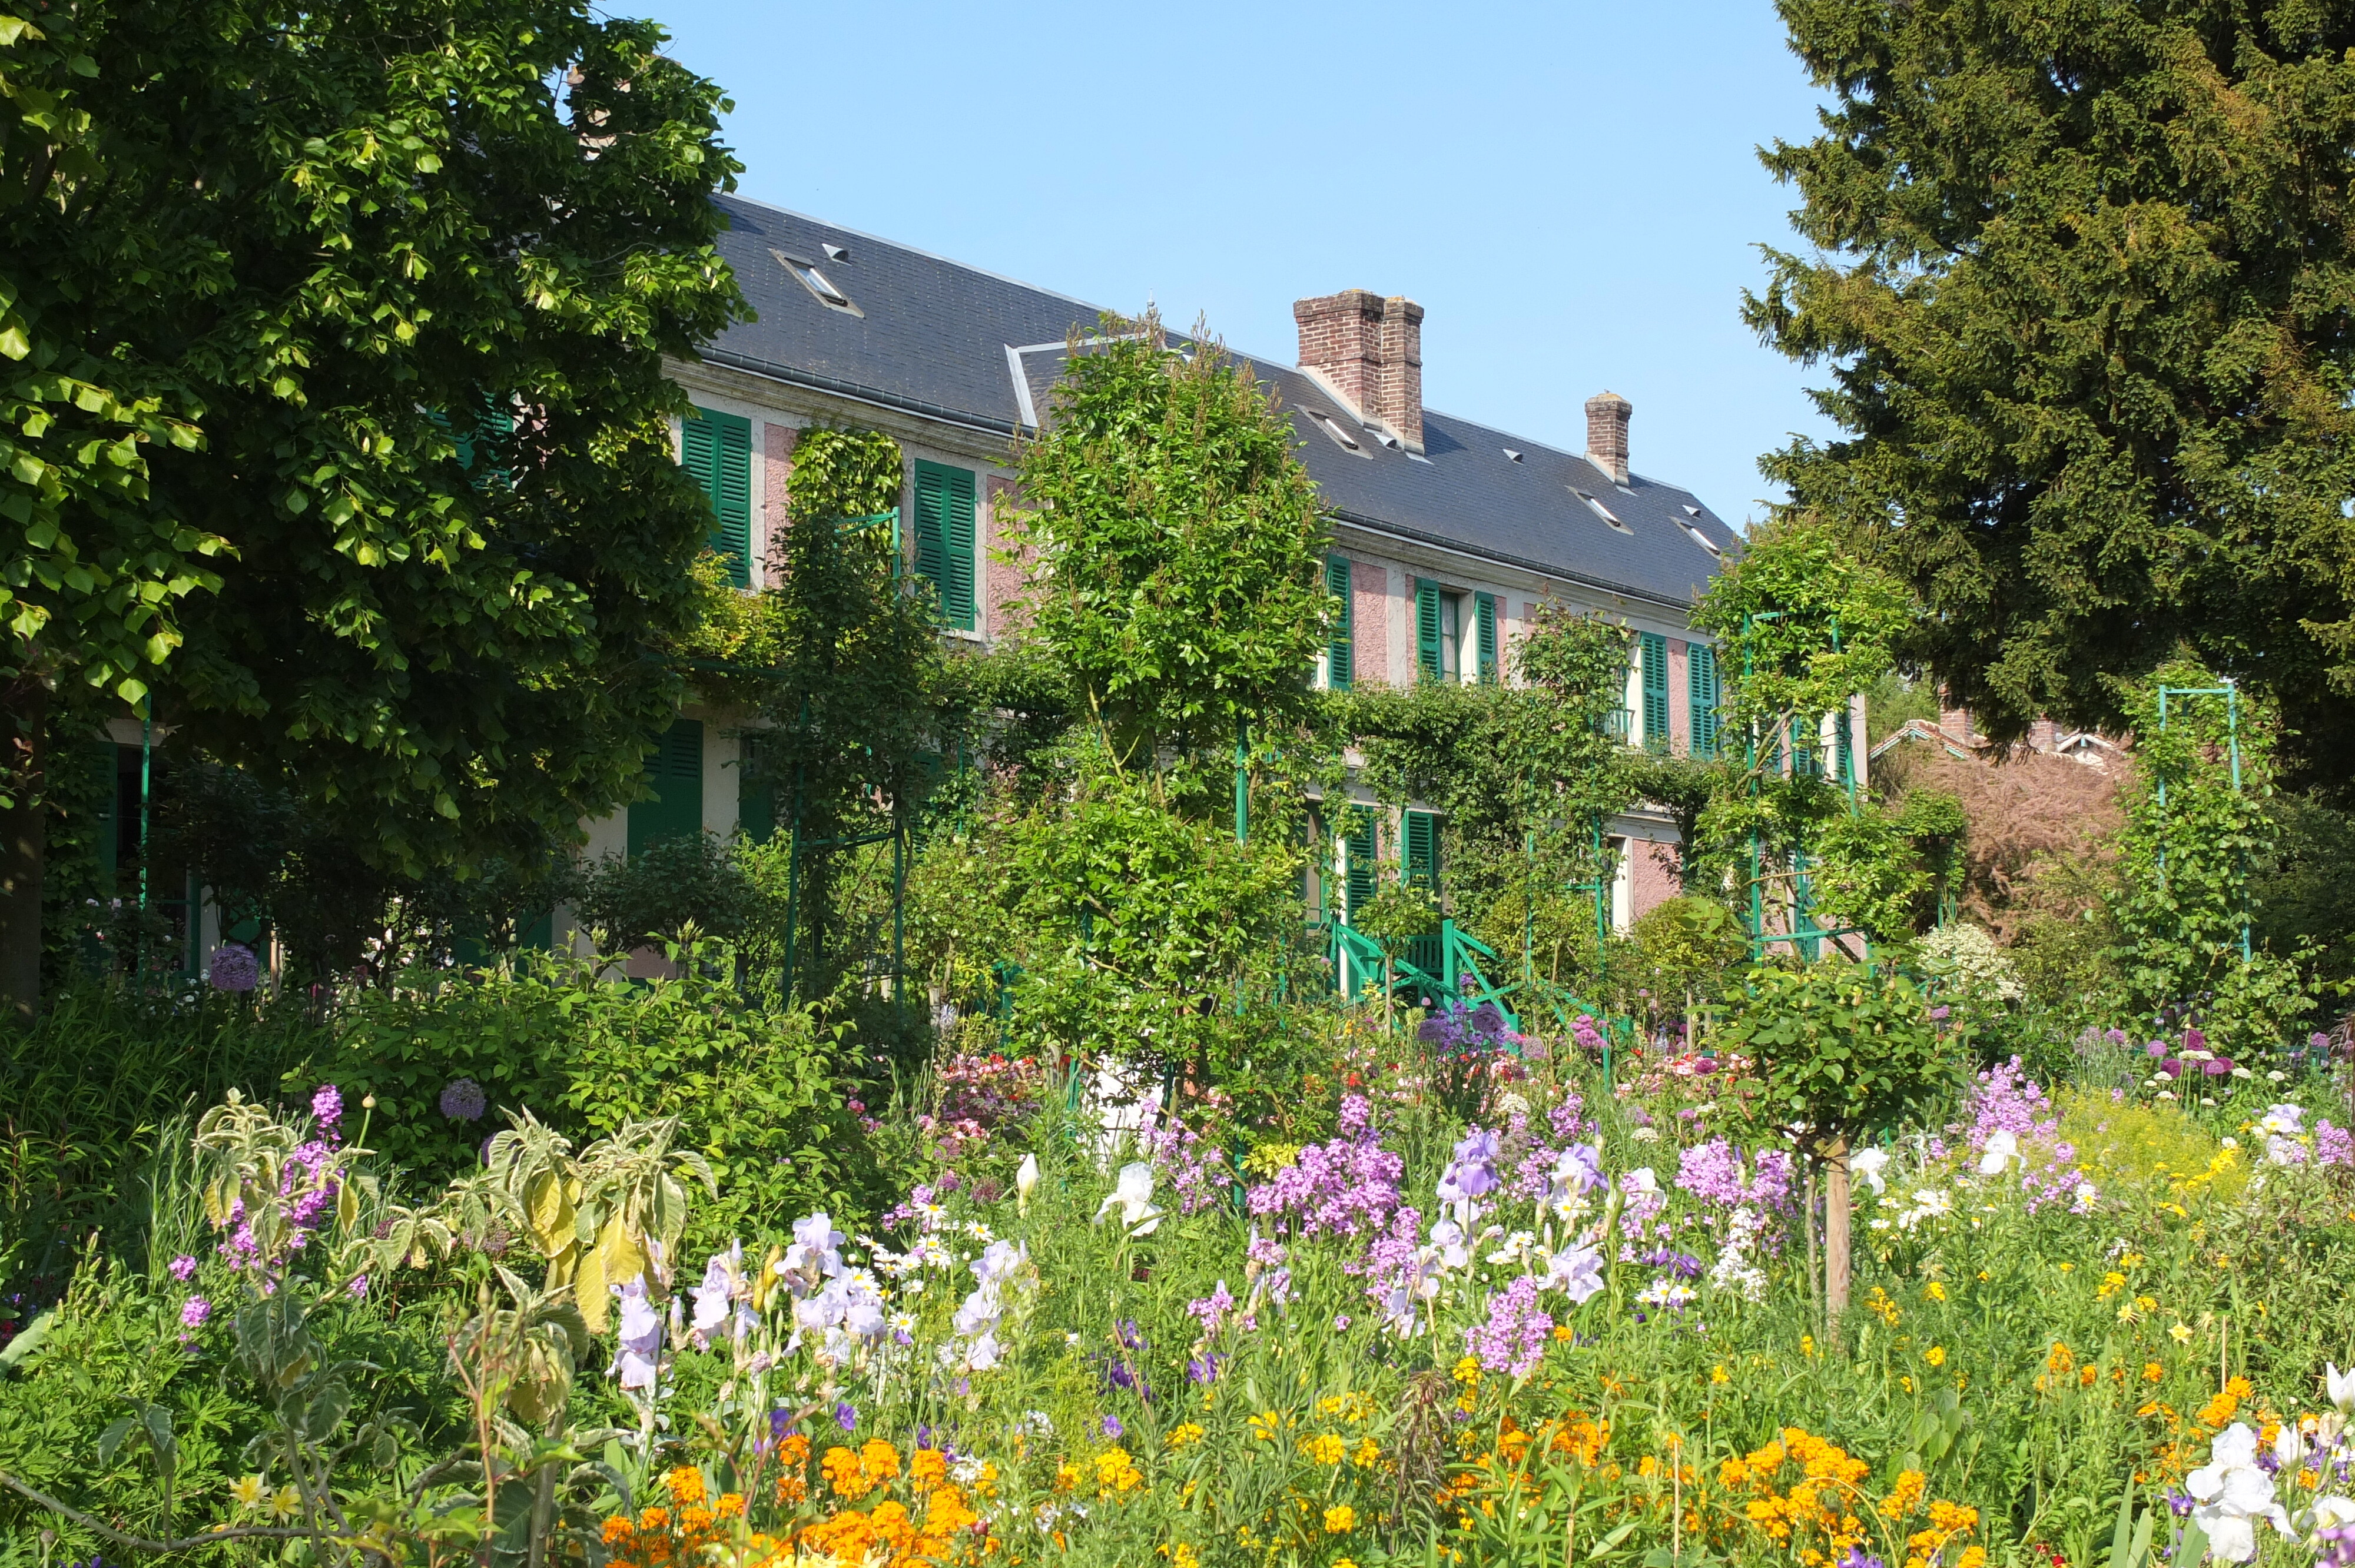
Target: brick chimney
{"points": [[1606, 434], [1369, 353]]}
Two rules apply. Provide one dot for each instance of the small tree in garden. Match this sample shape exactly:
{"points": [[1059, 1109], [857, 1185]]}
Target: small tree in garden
{"points": [[853, 682], [1178, 576], [2199, 815], [1843, 1049]]}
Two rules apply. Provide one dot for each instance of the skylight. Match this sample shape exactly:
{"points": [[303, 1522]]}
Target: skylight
{"points": [[1703, 540], [1341, 438], [817, 282], [1596, 506]]}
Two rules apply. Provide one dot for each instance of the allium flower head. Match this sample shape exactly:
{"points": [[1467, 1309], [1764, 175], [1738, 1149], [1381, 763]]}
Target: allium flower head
{"points": [[234, 968], [463, 1101]]}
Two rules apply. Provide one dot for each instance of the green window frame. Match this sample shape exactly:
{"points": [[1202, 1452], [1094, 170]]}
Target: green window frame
{"points": [[676, 771], [1362, 850], [716, 450], [1340, 650], [944, 527], [1483, 615], [1419, 849], [1654, 649], [1701, 688], [1426, 628]]}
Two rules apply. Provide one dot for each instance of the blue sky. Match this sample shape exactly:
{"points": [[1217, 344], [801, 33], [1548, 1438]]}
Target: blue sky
{"points": [[1569, 190]]}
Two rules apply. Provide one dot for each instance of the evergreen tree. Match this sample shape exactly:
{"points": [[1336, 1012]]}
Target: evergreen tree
{"points": [[2082, 276]]}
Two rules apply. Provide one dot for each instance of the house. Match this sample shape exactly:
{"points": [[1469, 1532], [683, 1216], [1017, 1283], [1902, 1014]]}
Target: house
{"points": [[1447, 533]]}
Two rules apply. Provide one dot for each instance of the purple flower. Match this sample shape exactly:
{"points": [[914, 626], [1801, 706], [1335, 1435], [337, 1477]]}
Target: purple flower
{"points": [[2217, 1066], [358, 1287], [1340, 1322], [1856, 1558], [327, 1104], [1514, 1338], [1203, 1368], [234, 968], [1941, 1013], [2194, 1039], [463, 1101], [194, 1311], [1111, 1427], [183, 1266], [846, 1416]]}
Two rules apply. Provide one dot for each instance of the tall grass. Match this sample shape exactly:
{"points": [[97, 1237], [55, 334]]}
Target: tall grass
{"points": [[86, 1092]]}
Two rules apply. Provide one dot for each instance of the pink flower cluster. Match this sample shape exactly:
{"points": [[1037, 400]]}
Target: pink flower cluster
{"points": [[1340, 1188], [1712, 1171], [1514, 1338], [2004, 1099], [1197, 1174]]}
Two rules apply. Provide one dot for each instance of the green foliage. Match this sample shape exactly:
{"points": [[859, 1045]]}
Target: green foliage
{"points": [[2076, 275], [1521, 774], [1129, 928], [2303, 889], [407, 276], [1840, 1046], [653, 896], [757, 1089], [1892, 701], [1804, 624], [1178, 578], [1688, 948], [2192, 833], [98, 565]]}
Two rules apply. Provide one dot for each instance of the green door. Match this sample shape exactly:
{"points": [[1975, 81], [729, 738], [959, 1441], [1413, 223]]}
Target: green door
{"points": [[676, 770]]}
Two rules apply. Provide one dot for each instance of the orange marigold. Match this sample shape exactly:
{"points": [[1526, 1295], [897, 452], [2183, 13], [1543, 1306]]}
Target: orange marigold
{"points": [[618, 1528], [927, 1469], [685, 1484], [880, 1461], [845, 1474]]}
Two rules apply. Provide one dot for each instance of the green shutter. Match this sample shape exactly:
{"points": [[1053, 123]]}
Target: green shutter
{"points": [[1655, 648], [1483, 611], [1844, 728], [1419, 833], [716, 450], [944, 549], [676, 770], [1361, 849], [1426, 628], [1340, 662], [1700, 686], [756, 795]]}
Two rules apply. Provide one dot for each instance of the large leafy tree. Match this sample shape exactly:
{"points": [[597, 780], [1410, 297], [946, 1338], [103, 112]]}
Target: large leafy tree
{"points": [[2082, 277], [353, 318]]}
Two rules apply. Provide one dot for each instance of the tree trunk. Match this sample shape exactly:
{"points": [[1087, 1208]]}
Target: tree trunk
{"points": [[1836, 1218], [24, 841]]}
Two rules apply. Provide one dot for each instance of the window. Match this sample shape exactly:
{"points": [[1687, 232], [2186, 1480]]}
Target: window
{"points": [[717, 449], [819, 285], [1341, 437], [1653, 650], [1701, 688], [1340, 665], [1419, 850], [1439, 632], [676, 771], [1483, 615], [1596, 506], [944, 538]]}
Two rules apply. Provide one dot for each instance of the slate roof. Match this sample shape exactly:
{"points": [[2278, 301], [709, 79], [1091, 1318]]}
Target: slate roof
{"points": [[937, 338]]}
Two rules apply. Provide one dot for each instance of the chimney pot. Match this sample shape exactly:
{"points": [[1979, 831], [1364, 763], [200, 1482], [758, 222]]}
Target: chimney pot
{"points": [[1368, 352], [1607, 414]]}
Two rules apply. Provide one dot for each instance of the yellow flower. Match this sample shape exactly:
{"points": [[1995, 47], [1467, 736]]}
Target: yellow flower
{"points": [[1467, 1371], [2182, 1335], [1266, 1425], [2152, 1371], [1185, 1432], [1344, 1563], [285, 1503], [248, 1493], [1806, 1344], [2067, 1267], [1935, 1355], [1367, 1454], [1326, 1449], [1934, 1291], [2111, 1283], [1340, 1518], [1719, 1374]]}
